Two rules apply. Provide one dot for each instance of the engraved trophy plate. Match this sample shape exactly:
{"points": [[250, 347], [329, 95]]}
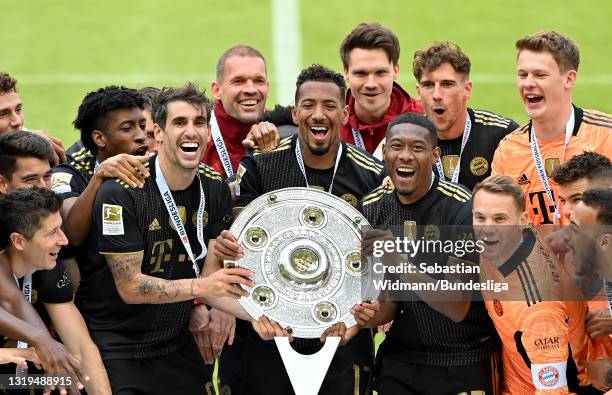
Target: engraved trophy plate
{"points": [[303, 246]]}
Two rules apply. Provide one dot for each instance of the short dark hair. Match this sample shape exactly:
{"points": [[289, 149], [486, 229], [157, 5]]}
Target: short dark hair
{"points": [[370, 36], [437, 55], [238, 50], [7, 83], [149, 93], [600, 199], [189, 93], [563, 49], [601, 177], [320, 73], [22, 211], [98, 104], [22, 144], [580, 166], [416, 119]]}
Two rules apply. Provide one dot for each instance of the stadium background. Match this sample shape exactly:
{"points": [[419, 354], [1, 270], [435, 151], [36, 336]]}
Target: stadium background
{"points": [[60, 50]]}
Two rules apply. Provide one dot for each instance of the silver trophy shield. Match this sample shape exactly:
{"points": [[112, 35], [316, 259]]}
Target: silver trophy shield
{"points": [[303, 246]]}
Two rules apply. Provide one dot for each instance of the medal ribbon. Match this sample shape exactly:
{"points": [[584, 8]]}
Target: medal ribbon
{"points": [[466, 135], [358, 139], [537, 159], [300, 160], [220, 146], [175, 217]]}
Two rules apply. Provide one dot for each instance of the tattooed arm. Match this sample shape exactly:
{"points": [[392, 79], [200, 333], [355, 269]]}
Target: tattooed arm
{"points": [[134, 287]]}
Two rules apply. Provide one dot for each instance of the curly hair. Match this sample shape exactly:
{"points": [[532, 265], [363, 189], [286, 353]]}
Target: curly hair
{"points": [[7, 83], [316, 72], [580, 166], [98, 104], [437, 55]]}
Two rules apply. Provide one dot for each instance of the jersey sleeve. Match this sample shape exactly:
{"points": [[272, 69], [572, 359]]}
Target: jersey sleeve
{"points": [[544, 344], [67, 182], [114, 220], [220, 217], [53, 286], [248, 185]]}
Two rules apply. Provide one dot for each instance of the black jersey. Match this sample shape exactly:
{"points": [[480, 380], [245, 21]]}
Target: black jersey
{"points": [[76, 149], [69, 180], [420, 334], [487, 131], [50, 286], [358, 173], [128, 220]]}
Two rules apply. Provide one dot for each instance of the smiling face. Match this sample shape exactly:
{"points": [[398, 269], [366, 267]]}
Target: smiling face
{"points": [[183, 140], [498, 222], [41, 251], [11, 115], [544, 89], [571, 194], [243, 90], [319, 113], [29, 172], [409, 156], [124, 133], [445, 93], [370, 74]]}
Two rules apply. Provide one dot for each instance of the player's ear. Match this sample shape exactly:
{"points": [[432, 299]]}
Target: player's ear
{"points": [[4, 185], [570, 79], [216, 90], [294, 114], [436, 154], [344, 116], [396, 71], [524, 219], [18, 241], [99, 138], [157, 132], [468, 89]]}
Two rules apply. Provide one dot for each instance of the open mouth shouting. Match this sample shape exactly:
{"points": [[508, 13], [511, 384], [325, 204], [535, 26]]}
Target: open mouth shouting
{"points": [[190, 148], [319, 131], [534, 99], [405, 172]]}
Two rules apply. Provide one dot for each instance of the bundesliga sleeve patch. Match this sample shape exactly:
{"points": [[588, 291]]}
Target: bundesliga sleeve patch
{"points": [[60, 183], [112, 220], [549, 376], [239, 174]]}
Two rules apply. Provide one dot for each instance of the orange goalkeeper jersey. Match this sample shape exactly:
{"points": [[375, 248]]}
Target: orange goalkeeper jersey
{"points": [[537, 321], [513, 157]]}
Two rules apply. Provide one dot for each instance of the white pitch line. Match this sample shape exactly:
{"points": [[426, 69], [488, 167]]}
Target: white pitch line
{"points": [[287, 46]]}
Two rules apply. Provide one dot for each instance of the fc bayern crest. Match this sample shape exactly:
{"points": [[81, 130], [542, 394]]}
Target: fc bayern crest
{"points": [[548, 376]]}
